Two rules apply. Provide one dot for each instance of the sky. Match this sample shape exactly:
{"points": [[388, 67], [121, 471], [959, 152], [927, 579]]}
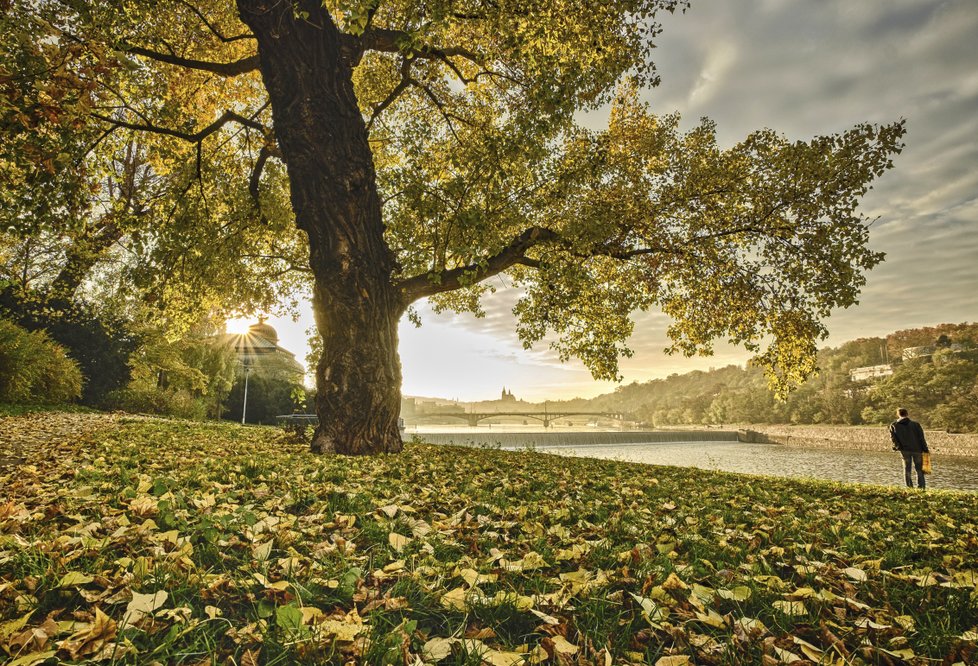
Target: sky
{"points": [[802, 67]]}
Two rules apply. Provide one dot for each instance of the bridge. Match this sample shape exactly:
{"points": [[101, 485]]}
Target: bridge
{"points": [[473, 418]]}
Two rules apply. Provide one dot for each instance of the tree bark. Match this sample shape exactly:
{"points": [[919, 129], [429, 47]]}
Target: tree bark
{"points": [[323, 140]]}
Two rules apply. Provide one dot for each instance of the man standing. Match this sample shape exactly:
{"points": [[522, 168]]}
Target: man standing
{"points": [[908, 439]]}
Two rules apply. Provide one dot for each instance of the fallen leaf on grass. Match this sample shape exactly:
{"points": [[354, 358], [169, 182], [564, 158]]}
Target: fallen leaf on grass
{"points": [[31, 659], [437, 649], [143, 605], [786, 656], [92, 639], [563, 646], [739, 593], [75, 579], [791, 607], [674, 660], [398, 541]]}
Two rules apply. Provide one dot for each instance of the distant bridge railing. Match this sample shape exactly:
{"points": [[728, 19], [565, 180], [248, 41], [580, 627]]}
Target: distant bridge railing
{"points": [[473, 418]]}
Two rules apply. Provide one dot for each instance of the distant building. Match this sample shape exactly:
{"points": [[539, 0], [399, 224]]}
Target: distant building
{"points": [[258, 349], [870, 372], [507, 396]]}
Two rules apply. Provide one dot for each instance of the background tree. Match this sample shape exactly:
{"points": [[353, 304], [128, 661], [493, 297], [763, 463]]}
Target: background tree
{"points": [[429, 146]]}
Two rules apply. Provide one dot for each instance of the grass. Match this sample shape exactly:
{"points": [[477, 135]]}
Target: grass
{"points": [[270, 555], [11, 409]]}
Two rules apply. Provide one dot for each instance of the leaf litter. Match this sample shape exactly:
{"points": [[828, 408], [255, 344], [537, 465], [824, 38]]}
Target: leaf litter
{"points": [[133, 540]]}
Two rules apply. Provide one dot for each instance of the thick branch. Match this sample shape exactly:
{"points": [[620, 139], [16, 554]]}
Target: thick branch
{"points": [[438, 282], [255, 181], [395, 93], [390, 41], [194, 137], [234, 68]]}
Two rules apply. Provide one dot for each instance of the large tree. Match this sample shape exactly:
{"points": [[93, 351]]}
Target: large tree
{"points": [[431, 145]]}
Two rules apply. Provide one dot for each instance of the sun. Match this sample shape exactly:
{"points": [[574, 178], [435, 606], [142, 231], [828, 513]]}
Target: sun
{"points": [[237, 325]]}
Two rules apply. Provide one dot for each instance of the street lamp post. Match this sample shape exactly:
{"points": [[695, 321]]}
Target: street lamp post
{"points": [[244, 403]]}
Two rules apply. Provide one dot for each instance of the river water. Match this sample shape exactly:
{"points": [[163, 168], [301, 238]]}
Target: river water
{"points": [[723, 454]]}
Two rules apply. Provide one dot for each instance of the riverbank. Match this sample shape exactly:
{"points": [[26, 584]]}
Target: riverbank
{"points": [[856, 438], [176, 542]]}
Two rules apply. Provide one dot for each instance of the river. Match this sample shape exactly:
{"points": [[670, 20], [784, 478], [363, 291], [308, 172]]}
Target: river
{"points": [[722, 454]]}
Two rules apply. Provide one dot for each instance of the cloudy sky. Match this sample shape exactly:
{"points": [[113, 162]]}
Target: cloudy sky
{"points": [[802, 67]]}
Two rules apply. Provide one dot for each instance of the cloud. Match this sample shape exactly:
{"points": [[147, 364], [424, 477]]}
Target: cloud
{"points": [[720, 59]]}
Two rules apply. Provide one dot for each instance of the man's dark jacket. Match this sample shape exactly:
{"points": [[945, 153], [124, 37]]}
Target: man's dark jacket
{"points": [[908, 436]]}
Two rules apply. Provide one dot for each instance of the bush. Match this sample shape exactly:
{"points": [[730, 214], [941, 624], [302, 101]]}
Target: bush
{"points": [[154, 400], [100, 343], [35, 370]]}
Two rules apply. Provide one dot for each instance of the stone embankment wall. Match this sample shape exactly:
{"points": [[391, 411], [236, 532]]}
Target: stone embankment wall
{"points": [[861, 438]]}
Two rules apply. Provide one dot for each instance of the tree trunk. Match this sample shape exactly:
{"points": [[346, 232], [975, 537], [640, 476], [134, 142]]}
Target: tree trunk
{"points": [[323, 140], [81, 256]]}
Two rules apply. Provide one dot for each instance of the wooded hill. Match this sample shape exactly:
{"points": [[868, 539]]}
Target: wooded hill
{"points": [[939, 387]]}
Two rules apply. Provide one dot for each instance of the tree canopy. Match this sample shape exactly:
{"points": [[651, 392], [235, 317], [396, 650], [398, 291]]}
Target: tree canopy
{"points": [[422, 148]]}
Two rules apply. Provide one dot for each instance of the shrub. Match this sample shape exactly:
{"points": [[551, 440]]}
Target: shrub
{"points": [[142, 399], [100, 343], [33, 369]]}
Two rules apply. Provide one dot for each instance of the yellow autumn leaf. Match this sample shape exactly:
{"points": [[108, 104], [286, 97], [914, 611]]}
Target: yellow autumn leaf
{"points": [[812, 652], [500, 658], [673, 660], [311, 614], [398, 541], [340, 631], [10, 628], [546, 619], [711, 618], [473, 577], [738, 593], [791, 607], [436, 649], [652, 611], [455, 599], [533, 560], [674, 582], [786, 656], [143, 605], [906, 621], [32, 659], [261, 552], [563, 646]]}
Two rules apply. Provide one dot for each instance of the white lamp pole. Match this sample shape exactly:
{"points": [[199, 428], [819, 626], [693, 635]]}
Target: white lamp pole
{"points": [[244, 404]]}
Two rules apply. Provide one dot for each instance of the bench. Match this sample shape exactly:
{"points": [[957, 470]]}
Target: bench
{"points": [[297, 423]]}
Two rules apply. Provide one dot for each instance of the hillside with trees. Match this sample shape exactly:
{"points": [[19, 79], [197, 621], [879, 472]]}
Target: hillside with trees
{"points": [[937, 380]]}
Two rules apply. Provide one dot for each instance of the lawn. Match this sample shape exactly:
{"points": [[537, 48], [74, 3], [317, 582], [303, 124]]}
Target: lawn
{"points": [[150, 541]]}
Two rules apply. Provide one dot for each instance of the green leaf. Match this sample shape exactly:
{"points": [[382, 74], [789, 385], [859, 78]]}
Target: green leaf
{"points": [[75, 579]]}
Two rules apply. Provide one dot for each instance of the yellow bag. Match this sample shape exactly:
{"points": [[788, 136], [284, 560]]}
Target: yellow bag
{"points": [[926, 463]]}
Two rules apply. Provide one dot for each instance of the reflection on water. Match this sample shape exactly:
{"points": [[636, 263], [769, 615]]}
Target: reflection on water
{"points": [[955, 472], [952, 472]]}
